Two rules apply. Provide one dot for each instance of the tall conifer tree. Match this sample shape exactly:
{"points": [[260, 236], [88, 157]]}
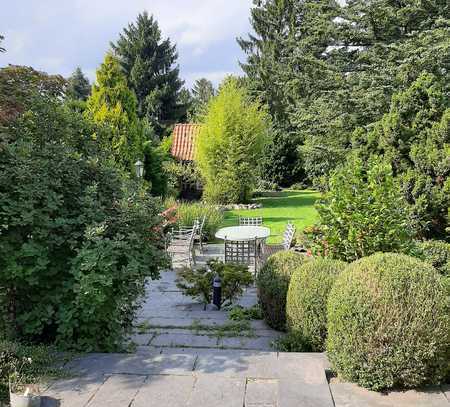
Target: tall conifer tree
{"points": [[78, 86], [149, 63]]}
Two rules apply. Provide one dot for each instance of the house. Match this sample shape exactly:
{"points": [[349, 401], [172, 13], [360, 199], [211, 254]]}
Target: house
{"points": [[183, 141], [183, 150]]}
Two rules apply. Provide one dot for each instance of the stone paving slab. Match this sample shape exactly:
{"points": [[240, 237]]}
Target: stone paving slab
{"points": [[222, 392], [261, 392], [117, 391], [165, 391], [351, 395], [259, 343], [151, 361], [184, 340], [74, 392]]}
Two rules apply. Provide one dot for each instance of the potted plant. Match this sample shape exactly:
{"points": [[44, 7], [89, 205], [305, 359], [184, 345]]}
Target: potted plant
{"points": [[21, 393]]}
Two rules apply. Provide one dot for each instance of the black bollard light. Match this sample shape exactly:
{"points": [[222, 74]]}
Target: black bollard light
{"points": [[217, 291]]}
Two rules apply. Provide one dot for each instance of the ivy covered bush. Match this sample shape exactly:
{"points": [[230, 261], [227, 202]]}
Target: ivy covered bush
{"points": [[77, 239], [307, 298], [273, 282], [389, 323]]}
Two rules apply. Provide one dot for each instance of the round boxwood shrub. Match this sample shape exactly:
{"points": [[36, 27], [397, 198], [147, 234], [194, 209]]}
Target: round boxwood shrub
{"points": [[306, 307], [437, 253], [388, 322], [273, 282]]}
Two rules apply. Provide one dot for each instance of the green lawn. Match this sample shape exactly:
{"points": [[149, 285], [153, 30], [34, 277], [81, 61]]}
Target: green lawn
{"points": [[279, 208]]}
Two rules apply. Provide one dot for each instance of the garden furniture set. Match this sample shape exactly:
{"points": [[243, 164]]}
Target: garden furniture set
{"points": [[243, 244]]}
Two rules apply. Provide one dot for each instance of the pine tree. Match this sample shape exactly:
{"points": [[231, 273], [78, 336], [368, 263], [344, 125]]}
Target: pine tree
{"points": [[78, 85], [114, 105], [149, 61]]}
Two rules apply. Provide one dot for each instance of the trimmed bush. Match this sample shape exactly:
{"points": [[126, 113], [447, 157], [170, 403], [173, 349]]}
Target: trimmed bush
{"points": [[273, 282], [306, 307], [437, 253], [388, 323]]}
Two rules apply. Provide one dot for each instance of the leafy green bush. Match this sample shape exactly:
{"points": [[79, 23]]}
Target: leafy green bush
{"points": [[273, 282], [187, 212], [306, 308], [437, 253], [388, 323], [77, 241], [198, 284], [364, 212], [293, 341], [230, 144], [33, 364], [239, 313]]}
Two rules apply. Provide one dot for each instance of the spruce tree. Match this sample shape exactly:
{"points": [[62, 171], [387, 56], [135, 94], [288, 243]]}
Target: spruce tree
{"points": [[149, 63], [78, 86], [113, 105], [202, 92]]}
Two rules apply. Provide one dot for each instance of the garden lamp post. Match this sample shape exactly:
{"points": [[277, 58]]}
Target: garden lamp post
{"points": [[139, 165]]}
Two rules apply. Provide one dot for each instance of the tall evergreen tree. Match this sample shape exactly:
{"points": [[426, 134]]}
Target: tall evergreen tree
{"points": [[202, 92], [149, 63], [186, 102], [78, 86], [326, 68], [113, 105], [286, 67]]}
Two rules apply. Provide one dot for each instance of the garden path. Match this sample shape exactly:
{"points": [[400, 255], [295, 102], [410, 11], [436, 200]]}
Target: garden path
{"points": [[187, 357], [170, 320]]}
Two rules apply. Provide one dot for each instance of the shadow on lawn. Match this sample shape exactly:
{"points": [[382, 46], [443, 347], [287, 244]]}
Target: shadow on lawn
{"points": [[286, 199]]}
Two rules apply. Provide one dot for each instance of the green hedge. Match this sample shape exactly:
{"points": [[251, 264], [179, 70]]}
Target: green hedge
{"points": [[273, 282], [388, 323], [307, 297]]}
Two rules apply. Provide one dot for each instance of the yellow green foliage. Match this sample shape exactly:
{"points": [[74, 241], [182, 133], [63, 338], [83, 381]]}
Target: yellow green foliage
{"points": [[114, 105], [230, 144]]}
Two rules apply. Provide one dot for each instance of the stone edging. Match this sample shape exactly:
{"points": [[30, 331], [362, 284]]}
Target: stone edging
{"points": [[238, 207]]}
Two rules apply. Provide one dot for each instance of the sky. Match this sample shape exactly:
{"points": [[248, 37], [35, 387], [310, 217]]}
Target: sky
{"points": [[56, 36]]}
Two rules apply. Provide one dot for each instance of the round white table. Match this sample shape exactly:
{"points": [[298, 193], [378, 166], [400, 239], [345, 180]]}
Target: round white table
{"points": [[243, 233]]}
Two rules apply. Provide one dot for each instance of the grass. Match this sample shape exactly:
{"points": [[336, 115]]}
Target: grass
{"points": [[279, 208]]}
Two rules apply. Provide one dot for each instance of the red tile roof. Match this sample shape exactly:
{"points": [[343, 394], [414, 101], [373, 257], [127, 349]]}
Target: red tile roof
{"points": [[183, 141]]}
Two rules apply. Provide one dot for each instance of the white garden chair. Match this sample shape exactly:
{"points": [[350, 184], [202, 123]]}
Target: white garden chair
{"points": [[248, 221], [181, 245]]}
